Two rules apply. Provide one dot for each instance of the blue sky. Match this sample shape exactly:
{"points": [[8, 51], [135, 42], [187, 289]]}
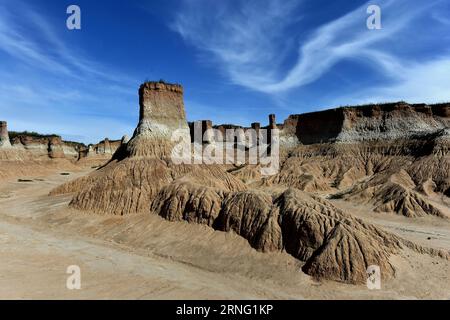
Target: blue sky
{"points": [[238, 60]]}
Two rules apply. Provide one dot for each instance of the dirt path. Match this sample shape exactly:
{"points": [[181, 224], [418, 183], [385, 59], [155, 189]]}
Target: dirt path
{"points": [[37, 263], [33, 263]]}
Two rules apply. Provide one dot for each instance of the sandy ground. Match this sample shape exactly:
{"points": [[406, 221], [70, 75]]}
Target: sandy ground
{"points": [[146, 257]]}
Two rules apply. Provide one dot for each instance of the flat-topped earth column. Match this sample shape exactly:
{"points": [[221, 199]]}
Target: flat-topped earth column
{"points": [[161, 114], [4, 136]]}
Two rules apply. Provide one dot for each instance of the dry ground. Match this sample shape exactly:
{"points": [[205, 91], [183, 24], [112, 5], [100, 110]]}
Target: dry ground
{"points": [[146, 257]]}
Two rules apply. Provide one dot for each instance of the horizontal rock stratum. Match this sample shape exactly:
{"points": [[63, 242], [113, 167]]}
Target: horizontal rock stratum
{"points": [[370, 122]]}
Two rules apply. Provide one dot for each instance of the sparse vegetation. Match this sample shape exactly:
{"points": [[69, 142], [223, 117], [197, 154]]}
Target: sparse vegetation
{"points": [[74, 144], [162, 81], [33, 134], [14, 134]]}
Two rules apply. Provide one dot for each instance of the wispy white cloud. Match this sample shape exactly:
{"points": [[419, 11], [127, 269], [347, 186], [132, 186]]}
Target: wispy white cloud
{"points": [[247, 43], [416, 83], [240, 35]]}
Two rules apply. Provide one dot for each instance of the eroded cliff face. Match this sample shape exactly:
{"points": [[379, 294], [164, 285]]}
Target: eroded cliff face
{"points": [[105, 148], [38, 147], [392, 157], [55, 148], [45, 147], [34, 146], [161, 114], [4, 136], [31, 154], [366, 123]]}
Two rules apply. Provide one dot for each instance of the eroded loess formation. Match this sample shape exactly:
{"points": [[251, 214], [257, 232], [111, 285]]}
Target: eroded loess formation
{"points": [[409, 177], [333, 244], [4, 136], [288, 211], [161, 114], [24, 154], [142, 166]]}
